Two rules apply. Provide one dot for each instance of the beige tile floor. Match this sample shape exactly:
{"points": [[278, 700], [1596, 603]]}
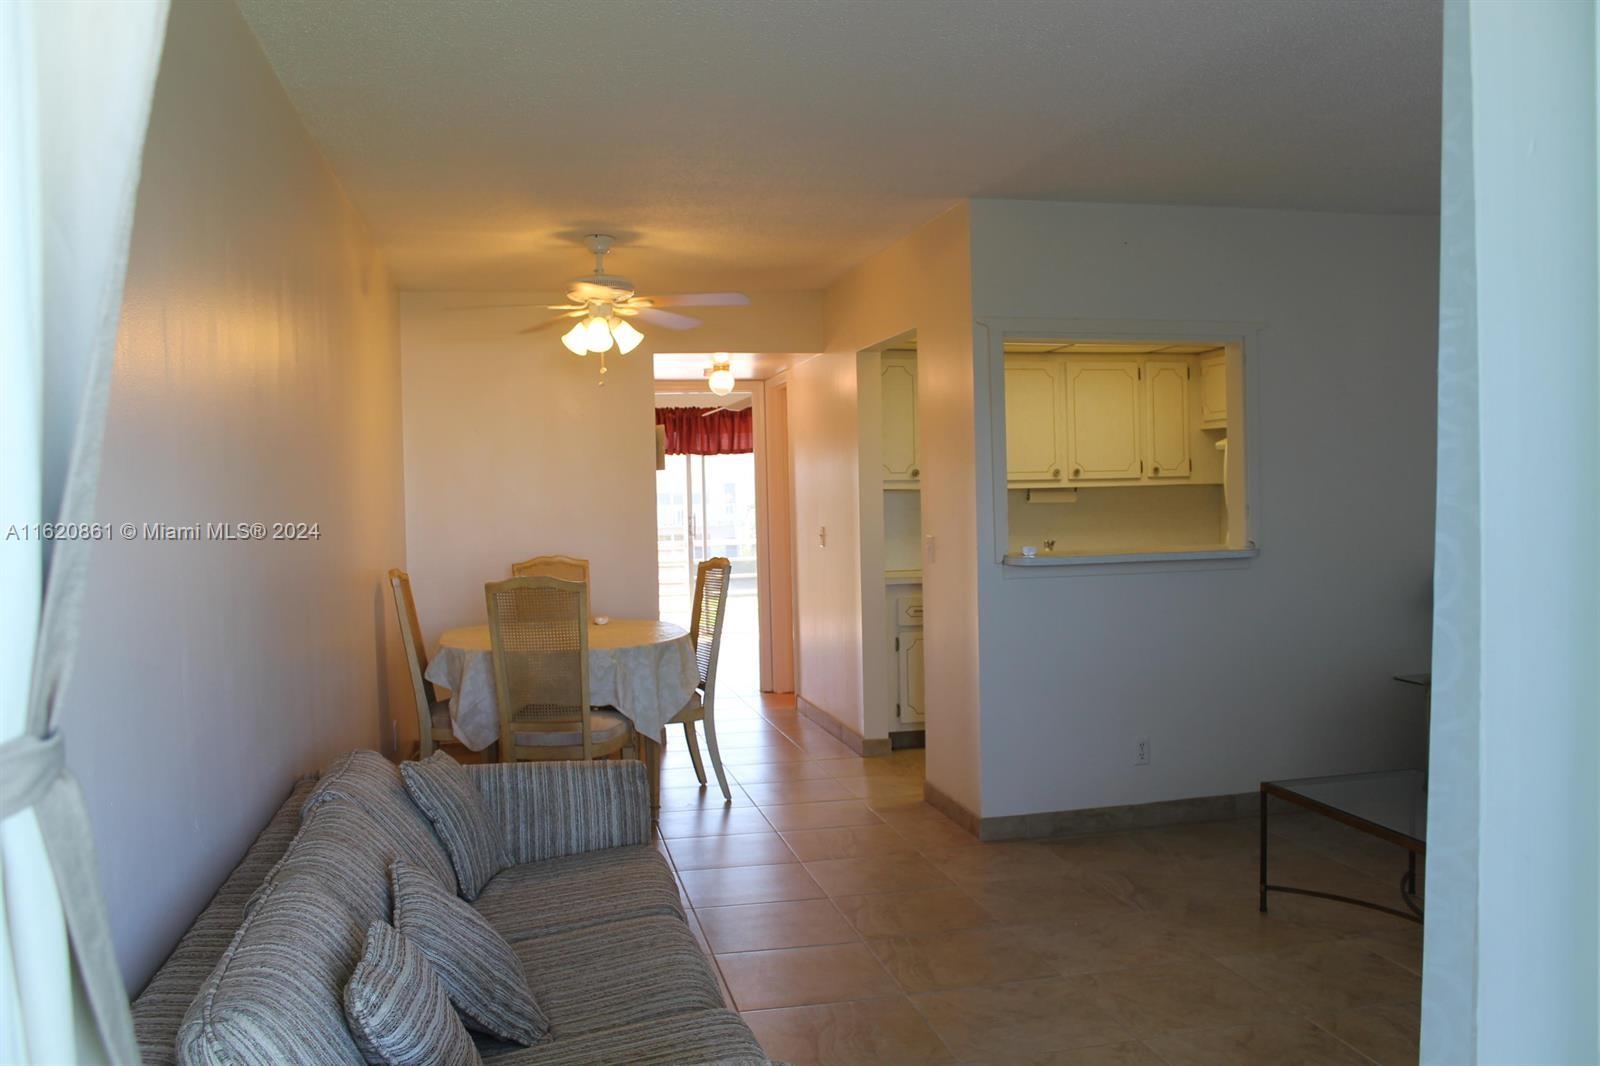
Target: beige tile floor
{"points": [[852, 923]]}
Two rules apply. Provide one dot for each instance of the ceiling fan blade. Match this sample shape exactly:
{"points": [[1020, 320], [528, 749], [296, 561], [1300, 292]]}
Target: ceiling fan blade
{"points": [[695, 299], [737, 405], [547, 323], [493, 307], [666, 319]]}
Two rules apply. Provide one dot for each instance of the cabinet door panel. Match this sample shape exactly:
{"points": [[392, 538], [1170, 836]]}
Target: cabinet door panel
{"points": [[1103, 419], [1166, 387], [1033, 420], [899, 420], [911, 705], [1214, 392]]}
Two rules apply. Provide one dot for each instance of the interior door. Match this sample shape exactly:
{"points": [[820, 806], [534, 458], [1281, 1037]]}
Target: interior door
{"points": [[1103, 419]]}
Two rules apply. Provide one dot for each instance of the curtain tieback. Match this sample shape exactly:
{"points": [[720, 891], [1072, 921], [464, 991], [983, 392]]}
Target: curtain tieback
{"points": [[28, 767]]}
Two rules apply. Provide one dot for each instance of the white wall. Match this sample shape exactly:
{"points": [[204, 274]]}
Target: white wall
{"points": [[1275, 668], [920, 283], [1511, 958], [257, 379], [513, 450]]}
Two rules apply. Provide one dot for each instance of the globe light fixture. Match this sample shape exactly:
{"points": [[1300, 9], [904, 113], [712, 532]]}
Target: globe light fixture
{"points": [[720, 381]]}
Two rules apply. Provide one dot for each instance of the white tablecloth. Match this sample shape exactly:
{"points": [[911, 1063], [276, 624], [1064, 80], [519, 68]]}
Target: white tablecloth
{"points": [[644, 669]]}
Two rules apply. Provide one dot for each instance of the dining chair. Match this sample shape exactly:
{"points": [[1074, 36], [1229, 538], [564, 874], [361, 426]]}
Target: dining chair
{"points": [[566, 567], [433, 714], [710, 602], [539, 637]]}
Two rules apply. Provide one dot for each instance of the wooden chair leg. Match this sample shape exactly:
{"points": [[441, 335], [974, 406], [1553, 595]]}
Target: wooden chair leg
{"points": [[716, 757], [694, 751]]}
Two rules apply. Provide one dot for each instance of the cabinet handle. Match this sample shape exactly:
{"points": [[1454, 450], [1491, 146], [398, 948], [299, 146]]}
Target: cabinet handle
{"points": [[1077, 471], [915, 472], [1055, 471], [1155, 471]]}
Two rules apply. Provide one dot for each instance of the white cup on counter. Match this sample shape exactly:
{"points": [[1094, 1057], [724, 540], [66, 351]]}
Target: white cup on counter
{"points": [[1029, 551]]}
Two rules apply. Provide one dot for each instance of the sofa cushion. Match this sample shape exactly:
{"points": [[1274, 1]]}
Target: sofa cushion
{"points": [[460, 818], [276, 995], [480, 971], [718, 1036], [160, 1008], [374, 784], [399, 1012], [604, 975], [556, 895], [549, 809]]}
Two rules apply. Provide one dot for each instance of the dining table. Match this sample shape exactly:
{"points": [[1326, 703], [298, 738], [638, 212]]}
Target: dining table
{"points": [[641, 667]]}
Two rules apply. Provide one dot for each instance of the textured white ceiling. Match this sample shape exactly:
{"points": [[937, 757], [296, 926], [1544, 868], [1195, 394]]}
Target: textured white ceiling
{"points": [[771, 144]]}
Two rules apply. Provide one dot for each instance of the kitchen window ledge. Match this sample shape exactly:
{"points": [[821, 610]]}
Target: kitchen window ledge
{"points": [[1135, 558]]}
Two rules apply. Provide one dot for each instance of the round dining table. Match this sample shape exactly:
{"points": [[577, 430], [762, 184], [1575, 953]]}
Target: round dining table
{"points": [[643, 668]]}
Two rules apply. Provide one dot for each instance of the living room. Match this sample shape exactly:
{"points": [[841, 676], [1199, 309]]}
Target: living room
{"points": [[296, 266]]}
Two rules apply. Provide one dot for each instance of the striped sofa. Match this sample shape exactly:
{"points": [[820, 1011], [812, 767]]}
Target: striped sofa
{"points": [[590, 908]]}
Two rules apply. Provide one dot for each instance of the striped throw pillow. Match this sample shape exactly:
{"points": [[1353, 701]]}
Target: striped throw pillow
{"points": [[453, 804], [479, 969], [398, 1010]]}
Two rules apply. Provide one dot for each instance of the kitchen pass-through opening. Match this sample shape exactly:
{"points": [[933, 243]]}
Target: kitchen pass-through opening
{"points": [[1123, 448]]}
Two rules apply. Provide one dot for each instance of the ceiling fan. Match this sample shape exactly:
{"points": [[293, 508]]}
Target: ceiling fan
{"points": [[606, 306]]}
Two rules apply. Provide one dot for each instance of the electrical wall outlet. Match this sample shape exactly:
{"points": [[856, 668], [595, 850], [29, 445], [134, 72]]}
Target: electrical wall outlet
{"points": [[1141, 752]]}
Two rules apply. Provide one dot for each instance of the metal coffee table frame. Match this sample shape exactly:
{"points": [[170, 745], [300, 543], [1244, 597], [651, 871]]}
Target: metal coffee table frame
{"points": [[1408, 880]]}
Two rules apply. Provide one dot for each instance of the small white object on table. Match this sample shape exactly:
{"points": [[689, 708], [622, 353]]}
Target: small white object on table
{"points": [[644, 668]]}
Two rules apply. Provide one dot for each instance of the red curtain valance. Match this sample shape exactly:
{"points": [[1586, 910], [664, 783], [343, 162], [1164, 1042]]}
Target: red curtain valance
{"points": [[690, 431]]}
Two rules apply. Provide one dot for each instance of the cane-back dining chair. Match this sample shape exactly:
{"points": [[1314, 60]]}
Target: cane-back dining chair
{"points": [[705, 625], [539, 634], [566, 567], [433, 714]]}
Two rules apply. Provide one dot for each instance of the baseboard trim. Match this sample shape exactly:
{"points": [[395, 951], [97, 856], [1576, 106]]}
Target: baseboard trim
{"points": [[951, 809], [1087, 820], [839, 731]]}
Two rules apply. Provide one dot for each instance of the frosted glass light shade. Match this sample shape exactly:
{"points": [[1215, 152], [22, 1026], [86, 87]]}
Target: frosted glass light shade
{"points": [[626, 336], [598, 334], [576, 339], [721, 381]]}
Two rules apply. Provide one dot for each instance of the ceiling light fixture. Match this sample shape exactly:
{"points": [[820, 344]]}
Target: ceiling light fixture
{"points": [[597, 331], [626, 336], [577, 340], [720, 378]]}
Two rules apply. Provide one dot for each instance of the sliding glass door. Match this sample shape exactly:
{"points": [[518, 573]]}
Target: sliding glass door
{"points": [[706, 507]]}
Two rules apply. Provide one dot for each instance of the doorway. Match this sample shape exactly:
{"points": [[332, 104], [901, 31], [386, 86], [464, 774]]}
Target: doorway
{"points": [[706, 506]]}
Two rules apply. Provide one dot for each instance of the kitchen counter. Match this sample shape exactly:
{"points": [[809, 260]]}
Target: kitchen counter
{"points": [[1180, 555]]}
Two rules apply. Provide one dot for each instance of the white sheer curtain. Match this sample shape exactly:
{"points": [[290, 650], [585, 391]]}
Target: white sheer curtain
{"points": [[76, 81], [1511, 970]]}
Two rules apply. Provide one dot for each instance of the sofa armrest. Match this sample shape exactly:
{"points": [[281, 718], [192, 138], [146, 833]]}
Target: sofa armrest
{"points": [[546, 809]]}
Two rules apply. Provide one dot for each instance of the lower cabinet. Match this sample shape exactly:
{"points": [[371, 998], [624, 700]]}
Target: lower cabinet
{"points": [[905, 655], [909, 653]]}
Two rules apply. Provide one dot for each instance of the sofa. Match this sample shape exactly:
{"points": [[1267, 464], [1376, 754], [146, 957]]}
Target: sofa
{"points": [[589, 906]]}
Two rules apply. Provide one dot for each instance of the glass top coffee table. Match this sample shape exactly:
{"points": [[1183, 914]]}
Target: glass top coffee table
{"points": [[1391, 805]]}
